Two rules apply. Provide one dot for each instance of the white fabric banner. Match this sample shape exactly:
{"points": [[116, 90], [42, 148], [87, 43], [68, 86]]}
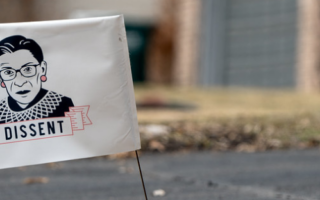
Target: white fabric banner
{"points": [[66, 91]]}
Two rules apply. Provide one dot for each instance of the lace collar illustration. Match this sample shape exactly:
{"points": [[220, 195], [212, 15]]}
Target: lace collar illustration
{"points": [[22, 72]]}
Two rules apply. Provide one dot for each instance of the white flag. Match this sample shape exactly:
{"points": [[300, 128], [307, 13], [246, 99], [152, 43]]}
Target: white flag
{"points": [[66, 91]]}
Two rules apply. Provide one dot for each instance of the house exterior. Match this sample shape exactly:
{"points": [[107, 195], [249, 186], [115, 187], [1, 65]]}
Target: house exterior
{"points": [[252, 43], [242, 43], [219, 43]]}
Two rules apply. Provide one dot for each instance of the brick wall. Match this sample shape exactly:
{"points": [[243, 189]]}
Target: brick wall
{"points": [[173, 49], [160, 47], [186, 41], [308, 58], [61, 9], [16, 10]]}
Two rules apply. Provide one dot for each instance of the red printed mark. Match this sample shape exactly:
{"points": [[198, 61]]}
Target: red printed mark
{"points": [[79, 117]]}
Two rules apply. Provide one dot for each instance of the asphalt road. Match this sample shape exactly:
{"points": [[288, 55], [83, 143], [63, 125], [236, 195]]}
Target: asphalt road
{"points": [[289, 175]]}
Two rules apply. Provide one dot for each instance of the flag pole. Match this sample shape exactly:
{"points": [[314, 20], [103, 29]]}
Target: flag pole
{"points": [[141, 176]]}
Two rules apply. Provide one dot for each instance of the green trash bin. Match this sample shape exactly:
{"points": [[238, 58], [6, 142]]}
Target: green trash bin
{"points": [[137, 36]]}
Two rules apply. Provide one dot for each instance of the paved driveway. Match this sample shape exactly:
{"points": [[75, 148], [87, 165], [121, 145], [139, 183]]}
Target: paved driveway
{"points": [[187, 176]]}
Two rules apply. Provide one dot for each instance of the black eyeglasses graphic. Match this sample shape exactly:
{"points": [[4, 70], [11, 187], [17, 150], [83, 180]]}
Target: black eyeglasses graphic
{"points": [[26, 71]]}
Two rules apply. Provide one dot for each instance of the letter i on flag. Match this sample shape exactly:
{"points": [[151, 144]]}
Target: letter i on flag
{"points": [[66, 91]]}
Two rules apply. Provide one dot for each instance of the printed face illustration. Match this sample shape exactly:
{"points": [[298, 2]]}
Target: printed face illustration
{"points": [[21, 72]]}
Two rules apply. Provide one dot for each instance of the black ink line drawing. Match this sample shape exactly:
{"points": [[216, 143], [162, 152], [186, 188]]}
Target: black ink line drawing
{"points": [[22, 72]]}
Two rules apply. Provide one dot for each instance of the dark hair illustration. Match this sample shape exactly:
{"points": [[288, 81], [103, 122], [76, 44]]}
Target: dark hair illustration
{"points": [[18, 42], [22, 72]]}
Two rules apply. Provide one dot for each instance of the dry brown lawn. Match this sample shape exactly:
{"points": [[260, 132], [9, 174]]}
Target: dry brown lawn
{"points": [[230, 119], [225, 103]]}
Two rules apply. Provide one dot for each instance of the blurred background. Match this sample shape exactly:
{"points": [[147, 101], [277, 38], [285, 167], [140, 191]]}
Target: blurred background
{"points": [[212, 69], [246, 43], [205, 62], [217, 75]]}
